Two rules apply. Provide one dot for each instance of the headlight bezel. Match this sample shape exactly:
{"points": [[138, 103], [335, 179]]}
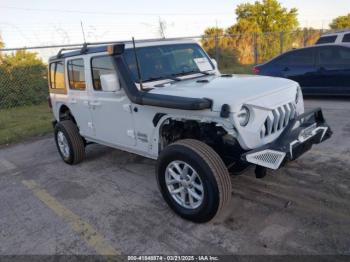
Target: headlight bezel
{"points": [[243, 116]]}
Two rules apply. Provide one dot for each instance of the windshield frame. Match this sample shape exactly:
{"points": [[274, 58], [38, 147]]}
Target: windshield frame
{"points": [[171, 76]]}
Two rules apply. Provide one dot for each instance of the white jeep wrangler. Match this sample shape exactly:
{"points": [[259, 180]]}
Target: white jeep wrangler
{"points": [[166, 100]]}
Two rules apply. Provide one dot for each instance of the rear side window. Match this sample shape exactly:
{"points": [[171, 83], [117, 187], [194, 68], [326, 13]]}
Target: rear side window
{"points": [[297, 58], [57, 75], [334, 55], [346, 38], [76, 74], [326, 39], [102, 65]]}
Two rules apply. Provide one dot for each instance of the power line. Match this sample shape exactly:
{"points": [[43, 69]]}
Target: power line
{"points": [[109, 13]]}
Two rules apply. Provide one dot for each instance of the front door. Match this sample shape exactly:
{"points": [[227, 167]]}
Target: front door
{"points": [[334, 70], [111, 110]]}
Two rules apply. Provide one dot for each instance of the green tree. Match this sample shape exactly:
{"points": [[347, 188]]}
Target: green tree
{"points": [[23, 79], [260, 23], [1, 42], [215, 40], [2, 45], [268, 16], [341, 22]]}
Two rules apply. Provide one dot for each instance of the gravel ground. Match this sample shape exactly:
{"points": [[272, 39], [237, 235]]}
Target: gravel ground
{"points": [[110, 203]]}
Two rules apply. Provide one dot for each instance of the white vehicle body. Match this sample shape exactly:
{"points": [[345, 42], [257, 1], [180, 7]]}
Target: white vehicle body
{"points": [[340, 37], [108, 117], [177, 108]]}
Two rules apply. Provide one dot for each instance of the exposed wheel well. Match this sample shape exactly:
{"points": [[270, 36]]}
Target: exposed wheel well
{"points": [[66, 114], [211, 134]]}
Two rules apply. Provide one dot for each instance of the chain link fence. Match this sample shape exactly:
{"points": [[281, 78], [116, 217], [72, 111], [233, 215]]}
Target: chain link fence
{"points": [[24, 83], [23, 74]]}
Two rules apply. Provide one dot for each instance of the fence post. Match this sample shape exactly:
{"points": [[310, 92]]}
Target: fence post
{"points": [[217, 48], [281, 42], [305, 37], [255, 43]]}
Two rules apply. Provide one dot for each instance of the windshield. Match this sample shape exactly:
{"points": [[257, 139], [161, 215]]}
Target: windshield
{"points": [[167, 61]]}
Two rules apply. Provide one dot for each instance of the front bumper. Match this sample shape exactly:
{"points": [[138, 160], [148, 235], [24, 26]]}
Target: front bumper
{"points": [[298, 137]]}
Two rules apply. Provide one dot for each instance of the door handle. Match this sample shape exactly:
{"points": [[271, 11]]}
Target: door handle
{"points": [[286, 69], [73, 101]]}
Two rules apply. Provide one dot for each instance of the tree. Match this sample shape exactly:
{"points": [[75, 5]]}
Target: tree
{"points": [[23, 79], [341, 22], [215, 40], [2, 45], [1, 42], [268, 16], [260, 23]]}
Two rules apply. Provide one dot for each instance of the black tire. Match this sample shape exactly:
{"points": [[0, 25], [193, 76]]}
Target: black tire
{"points": [[212, 172], [74, 140]]}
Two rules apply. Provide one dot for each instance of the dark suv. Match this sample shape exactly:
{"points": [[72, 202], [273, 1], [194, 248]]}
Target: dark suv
{"points": [[320, 70]]}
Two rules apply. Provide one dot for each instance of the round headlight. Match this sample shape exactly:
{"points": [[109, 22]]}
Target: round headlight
{"points": [[243, 116]]}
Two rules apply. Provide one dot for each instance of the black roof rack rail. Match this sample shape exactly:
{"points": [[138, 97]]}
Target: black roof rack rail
{"points": [[80, 49]]}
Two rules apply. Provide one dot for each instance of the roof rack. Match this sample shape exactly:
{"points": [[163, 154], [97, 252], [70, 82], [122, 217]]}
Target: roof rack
{"points": [[84, 48], [337, 31]]}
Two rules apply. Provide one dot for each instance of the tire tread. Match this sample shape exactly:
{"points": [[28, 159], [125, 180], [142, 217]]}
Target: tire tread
{"points": [[75, 139], [218, 169]]}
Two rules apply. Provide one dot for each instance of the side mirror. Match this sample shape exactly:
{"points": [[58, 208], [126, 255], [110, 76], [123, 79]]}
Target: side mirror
{"points": [[109, 82], [215, 63]]}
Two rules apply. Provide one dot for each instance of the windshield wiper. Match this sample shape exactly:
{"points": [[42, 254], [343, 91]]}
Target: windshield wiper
{"points": [[193, 72], [155, 78]]}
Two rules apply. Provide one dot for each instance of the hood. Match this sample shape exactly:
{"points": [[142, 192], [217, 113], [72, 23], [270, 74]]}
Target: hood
{"points": [[234, 91]]}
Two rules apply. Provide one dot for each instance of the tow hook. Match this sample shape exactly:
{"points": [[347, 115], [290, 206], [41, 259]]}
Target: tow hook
{"points": [[260, 172]]}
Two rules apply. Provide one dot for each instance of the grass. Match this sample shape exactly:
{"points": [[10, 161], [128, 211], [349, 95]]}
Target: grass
{"points": [[19, 123]]}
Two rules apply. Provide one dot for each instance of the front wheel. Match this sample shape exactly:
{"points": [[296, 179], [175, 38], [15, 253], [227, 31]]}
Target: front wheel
{"points": [[69, 143], [193, 180]]}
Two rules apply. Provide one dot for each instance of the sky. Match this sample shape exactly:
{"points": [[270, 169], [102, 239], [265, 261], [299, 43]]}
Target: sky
{"points": [[43, 22]]}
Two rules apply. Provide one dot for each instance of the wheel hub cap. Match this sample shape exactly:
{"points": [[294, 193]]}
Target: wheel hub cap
{"points": [[184, 184], [63, 144]]}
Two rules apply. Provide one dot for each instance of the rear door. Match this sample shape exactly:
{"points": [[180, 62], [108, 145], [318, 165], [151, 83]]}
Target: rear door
{"points": [[334, 70], [78, 99]]}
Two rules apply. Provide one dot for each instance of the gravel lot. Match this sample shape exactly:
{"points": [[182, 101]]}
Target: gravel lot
{"points": [[110, 203]]}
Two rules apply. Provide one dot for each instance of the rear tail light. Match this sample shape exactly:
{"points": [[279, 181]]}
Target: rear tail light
{"points": [[256, 70], [49, 102]]}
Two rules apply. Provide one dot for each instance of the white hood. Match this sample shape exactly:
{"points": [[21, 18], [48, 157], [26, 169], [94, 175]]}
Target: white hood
{"points": [[234, 91]]}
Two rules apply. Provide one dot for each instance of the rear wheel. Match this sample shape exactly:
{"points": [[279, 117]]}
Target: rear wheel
{"points": [[193, 180], [69, 143]]}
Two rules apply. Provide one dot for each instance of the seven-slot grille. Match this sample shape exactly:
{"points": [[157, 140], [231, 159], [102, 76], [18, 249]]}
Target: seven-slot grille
{"points": [[278, 119]]}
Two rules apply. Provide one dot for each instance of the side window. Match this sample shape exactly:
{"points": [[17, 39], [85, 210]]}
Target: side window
{"points": [[334, 55], [298, 58], [102, 65], [303, 57], [57, 75], [326, 39], [76, 74], [283, 59], [346, 38]]}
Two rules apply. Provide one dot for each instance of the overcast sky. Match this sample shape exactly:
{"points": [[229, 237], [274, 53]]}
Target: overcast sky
{"points": [[41, 22]]}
